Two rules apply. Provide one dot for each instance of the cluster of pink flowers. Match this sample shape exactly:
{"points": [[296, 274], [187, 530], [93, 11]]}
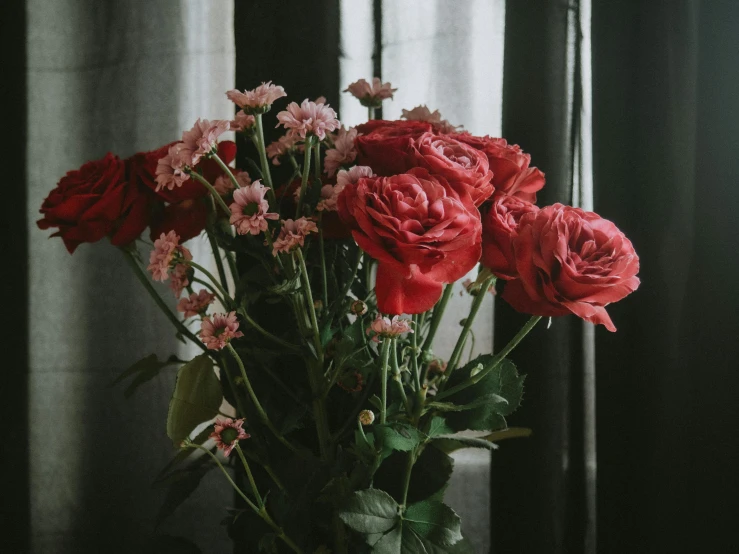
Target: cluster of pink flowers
{"points": [[166, 254], [343, 152], [282, 146], [258, 100], [249, 211], [309, 118], [371, 95], [242, 121], [195, 304], [224, 186], [422, 113], [217, 332], [292, 234], [227, 432], [384, 327]]}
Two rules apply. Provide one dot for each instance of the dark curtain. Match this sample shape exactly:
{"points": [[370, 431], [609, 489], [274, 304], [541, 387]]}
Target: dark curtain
{"points": [[665, 145]]}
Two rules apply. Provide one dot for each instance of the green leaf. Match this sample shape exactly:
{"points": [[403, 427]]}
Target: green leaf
{"points": [[434, 521], [143, 371], [398, 436], [196, 398], [439, 426], [370, 511], [457, 442], [184, 453], [181, 488], [390, 543]]}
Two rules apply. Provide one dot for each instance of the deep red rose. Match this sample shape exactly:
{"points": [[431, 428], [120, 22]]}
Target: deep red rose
{"points": [[571, 261], [184, 209], [465, 168], [385, 145], [418, 229], [499, 224], [509, 164], [95, 201]]}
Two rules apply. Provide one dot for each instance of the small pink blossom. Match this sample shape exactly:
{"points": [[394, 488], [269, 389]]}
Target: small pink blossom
{"points": [[281, 147], [422, 113], [292, 234], [353, 175], [329, 198], [249, 211], [227, 432], [167, 251], [179, 279], [195, 304], [320, 100], [171, 170], [242, 121], [216, 333], [308, 119], [201, 139], [371, 95], [388, 328], [258, 100], [224, 186], [343, 152]]}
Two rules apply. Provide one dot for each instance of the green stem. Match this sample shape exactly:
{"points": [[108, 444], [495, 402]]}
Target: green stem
{"points": [[226, 210], [269, 335], [457, 352], [211, 288], [347, 287], [306, 172], [217, 256], [270, 244], [309, 299], [436, 320], [257, 405], [226, 170], [228, 477], [370, 113], [385, 353], [323, 261], [317, 161], [407, 476], [213, 280], [397, 379], [249, 475], [232, 267], [144, 279], [414, 352], [262, 148], [495, 361]]}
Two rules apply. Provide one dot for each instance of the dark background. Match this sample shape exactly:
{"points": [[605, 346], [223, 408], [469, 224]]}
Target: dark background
{"points": [[666, 157]]}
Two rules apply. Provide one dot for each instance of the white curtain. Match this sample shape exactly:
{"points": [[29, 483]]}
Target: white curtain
{"points": [[122, 76]]}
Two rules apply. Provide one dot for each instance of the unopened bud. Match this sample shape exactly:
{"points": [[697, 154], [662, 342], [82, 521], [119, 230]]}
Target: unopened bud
{"points": [[318, 305], [437, 366], [366, 417], [358, 307]]}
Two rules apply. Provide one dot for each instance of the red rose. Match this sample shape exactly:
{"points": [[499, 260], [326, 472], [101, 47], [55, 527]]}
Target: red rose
{"points": [[418, 229], [499, 223], [186, 208], [509, 164], [571, 261], [385, 145], [465, 168], [95, 201]]}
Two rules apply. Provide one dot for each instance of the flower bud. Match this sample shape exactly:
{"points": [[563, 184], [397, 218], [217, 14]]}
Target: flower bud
{"points": [[366, 417], [437, 366], [358, 308]]}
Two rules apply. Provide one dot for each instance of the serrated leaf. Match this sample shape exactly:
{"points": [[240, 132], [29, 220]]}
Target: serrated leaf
{"points": [[389, 543], [434, 521], [370, 511], [439, 426], [398, 436], [196, 398]]}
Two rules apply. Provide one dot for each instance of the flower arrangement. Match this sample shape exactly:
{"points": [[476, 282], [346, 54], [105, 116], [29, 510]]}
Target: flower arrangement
{"points": [[317, 393]]}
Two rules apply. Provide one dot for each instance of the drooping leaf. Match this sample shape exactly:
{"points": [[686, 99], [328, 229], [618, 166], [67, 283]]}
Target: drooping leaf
{"points": [[142, 371], [434, 521], [370, 511], [196, 398]]}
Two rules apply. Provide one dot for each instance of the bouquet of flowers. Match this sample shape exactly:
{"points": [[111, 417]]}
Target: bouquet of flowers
{"points": [[317, 393]]}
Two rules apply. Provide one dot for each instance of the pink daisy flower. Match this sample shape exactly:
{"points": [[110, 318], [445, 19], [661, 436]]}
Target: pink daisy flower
{"points": [[195, 304], [227, 432], [292, 234], [282, 147], [242, 121], [353, 175], [388, 328], [171, 170], [179, 279], [167, 251], [201, 139], [308, 119], [343, 152], [258, 100], [422, 113], [249, 211], [224, 186], [216, 333], [371, 95]]}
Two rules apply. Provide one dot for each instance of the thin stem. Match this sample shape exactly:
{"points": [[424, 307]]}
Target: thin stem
{"points": [[370, 113], [457, 352], [209, 275], [232, 267], [144, 279], [270, 244], [226, 170], [223, 469], [261, 147], [217, 256], [226, 210], [249, 475], [436, 319], [397, 379], [269, 335], [309, 299], [407, 476], [495, 361], [274, 477], [347, 287], [211, 288], [306, 172], [257, 405], [323, 261], [385, 353], [414, 352], [317, 161]]}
